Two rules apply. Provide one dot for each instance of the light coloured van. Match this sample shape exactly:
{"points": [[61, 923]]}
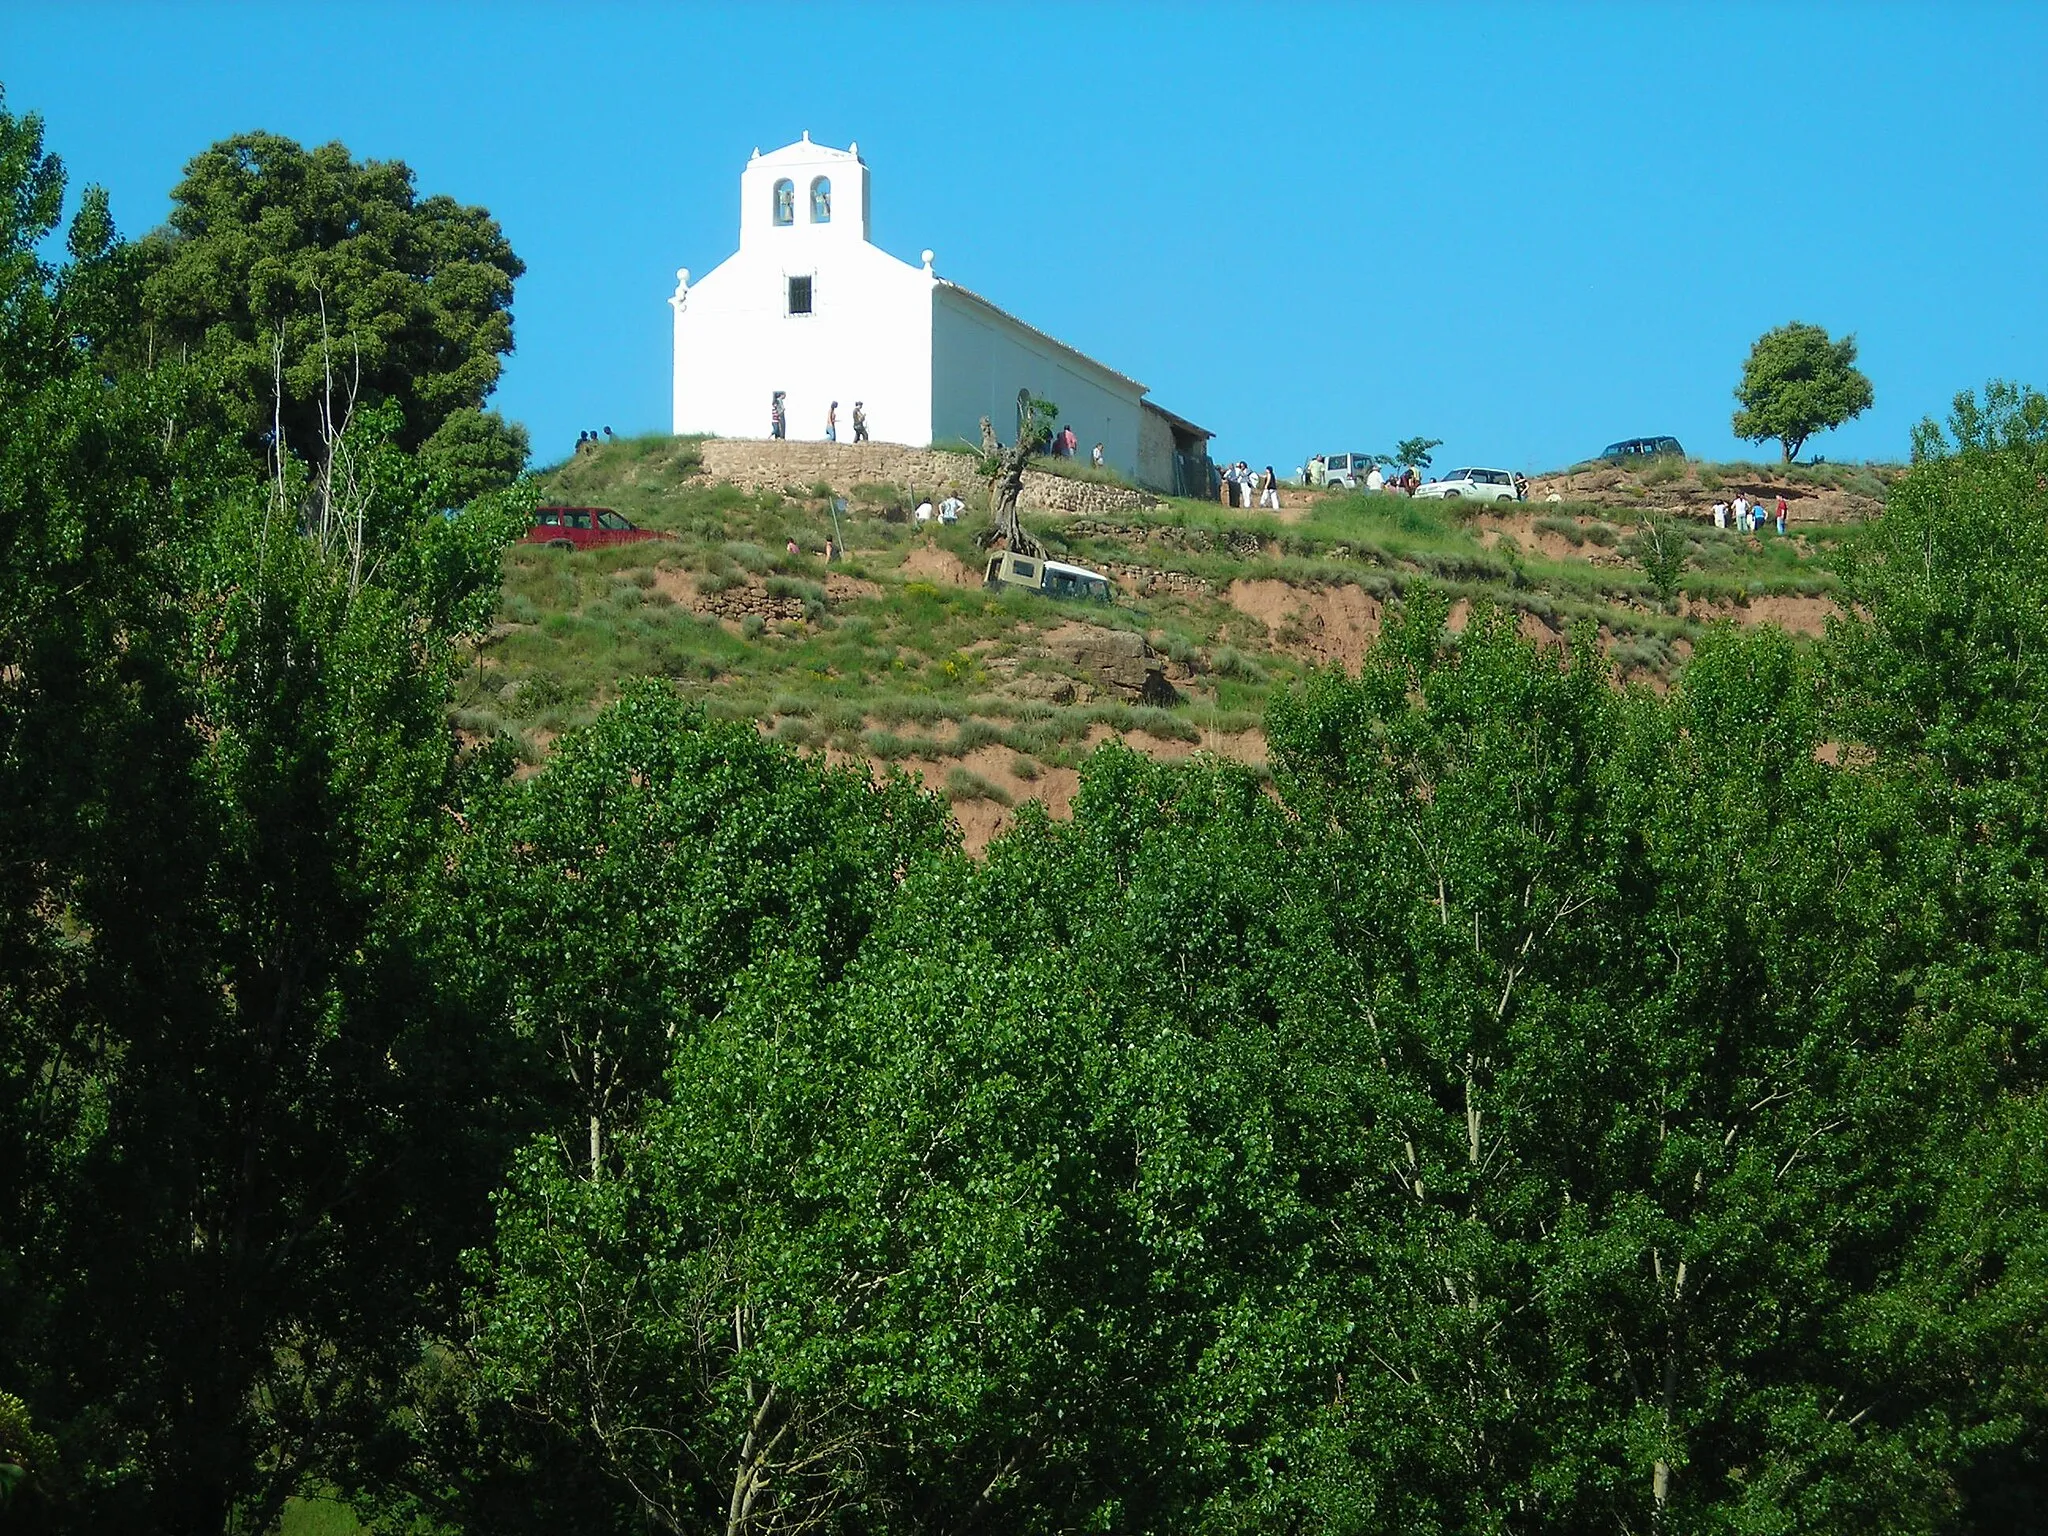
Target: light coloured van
{"points": [[1055, 578]]}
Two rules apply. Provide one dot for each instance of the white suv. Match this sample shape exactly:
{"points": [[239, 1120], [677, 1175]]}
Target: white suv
{"points": [[1478, 484], [1346, 469]]}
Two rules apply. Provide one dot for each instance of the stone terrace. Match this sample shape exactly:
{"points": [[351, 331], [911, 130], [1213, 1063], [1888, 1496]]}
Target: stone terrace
{"points": [[763, 464]]}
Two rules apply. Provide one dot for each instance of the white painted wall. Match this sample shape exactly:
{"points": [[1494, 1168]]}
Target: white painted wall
{"points": [[981, 358], [868, 336], [930, 360]]}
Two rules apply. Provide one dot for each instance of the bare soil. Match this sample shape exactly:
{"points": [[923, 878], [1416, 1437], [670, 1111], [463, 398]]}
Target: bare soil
{"points": [[927, 562], [1320, 624]]}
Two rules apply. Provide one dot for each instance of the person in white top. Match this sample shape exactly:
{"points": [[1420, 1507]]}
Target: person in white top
{"points": [[923, 514], [950, 509], [1720, 514], [1374, 480], [1742, 513]]}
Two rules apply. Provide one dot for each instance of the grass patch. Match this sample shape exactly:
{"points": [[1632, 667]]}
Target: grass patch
{"points": [[919, 668], [962, 785]]}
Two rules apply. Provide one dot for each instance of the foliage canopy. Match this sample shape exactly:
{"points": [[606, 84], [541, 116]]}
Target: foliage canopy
{"points": [[1535, 1105], [329, 281], [1796, 382]]}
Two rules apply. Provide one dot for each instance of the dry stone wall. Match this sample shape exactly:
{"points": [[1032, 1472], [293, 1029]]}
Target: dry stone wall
{"points": [[762, 464]]}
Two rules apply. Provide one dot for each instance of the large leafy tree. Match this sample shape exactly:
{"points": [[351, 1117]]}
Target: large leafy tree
{"points": [[315, 282], [1796, 382], [232, 1186]]}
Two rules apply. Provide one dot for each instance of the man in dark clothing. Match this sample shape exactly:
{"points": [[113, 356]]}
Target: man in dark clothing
{"points": [[778, 418], [860, 422]]}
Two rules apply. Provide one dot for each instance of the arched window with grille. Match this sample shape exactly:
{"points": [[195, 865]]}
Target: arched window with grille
{"points": [[821, 200], [785, 202]]}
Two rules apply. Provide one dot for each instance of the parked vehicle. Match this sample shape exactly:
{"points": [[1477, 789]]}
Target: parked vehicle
{"points": [[1474, 485], [1630, 449], [1055, 578], [1346, 469], [583, 528]]}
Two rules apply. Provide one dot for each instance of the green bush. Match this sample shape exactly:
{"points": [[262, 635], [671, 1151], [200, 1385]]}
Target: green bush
{"points": [[1232, 663], [1565, 528], [962, 785]]}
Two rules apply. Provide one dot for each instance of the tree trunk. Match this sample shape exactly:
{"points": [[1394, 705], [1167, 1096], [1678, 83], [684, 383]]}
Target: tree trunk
{"points": [[1006, 485]]}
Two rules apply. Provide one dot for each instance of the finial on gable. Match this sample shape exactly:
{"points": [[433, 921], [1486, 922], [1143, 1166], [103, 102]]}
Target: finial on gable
{"points": [[927, 261], [756, 154], [853, 148], [807, 135]]}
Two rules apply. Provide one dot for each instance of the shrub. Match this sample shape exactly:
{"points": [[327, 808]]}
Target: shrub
{"points": [[749, 557], [1664, 470], [1026, 768], [821, 490], [752, 625], [1606, 535], [1565, 528], [1710, 480], [1234, 664], [1661, 550], [795, 732], [976, 733], [792, 586], [962, 785]]}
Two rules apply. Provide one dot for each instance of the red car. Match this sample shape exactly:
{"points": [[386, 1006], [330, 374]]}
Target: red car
{"points": [[583, 528]]}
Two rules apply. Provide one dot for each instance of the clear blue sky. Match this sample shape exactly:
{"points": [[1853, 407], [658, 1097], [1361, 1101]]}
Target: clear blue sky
{"points": [[1525, 230]]}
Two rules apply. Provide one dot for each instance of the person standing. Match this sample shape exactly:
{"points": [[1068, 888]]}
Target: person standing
{"points": [[860, 422], [1095, 456], [832, 423], [1782, 509], [1742, 513], [1269, 497], [1231, 480], [778, 417], [1720, 514], [1374, 480]]}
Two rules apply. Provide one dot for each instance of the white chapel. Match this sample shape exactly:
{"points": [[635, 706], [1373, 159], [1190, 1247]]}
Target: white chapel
{"points": [[810, 307]]}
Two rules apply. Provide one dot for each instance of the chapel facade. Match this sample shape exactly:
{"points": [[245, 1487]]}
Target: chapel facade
{"points": [[811, 307]]}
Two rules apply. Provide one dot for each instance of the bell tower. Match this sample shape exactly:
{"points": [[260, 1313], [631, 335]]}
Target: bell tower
{"points": [[803, 194]]}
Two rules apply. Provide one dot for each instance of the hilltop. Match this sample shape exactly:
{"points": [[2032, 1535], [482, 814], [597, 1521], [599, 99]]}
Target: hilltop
{"points": [[898, 656]]}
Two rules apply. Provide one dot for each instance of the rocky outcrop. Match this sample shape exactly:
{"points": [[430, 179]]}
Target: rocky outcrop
{"points": [[1120, 662]]}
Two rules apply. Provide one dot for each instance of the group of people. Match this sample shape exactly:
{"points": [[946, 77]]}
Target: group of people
{"points": [[778, 419], [1750, 516], [1063, 444], [1242, 486], [948, 511], [590, 439]]}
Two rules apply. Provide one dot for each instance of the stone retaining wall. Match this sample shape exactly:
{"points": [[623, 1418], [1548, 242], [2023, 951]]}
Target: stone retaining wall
{"points": [[1145, 579], [762, 464]]}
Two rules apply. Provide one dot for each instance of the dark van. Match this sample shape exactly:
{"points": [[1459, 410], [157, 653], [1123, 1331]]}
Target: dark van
{"points": [[1632, 448]]}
